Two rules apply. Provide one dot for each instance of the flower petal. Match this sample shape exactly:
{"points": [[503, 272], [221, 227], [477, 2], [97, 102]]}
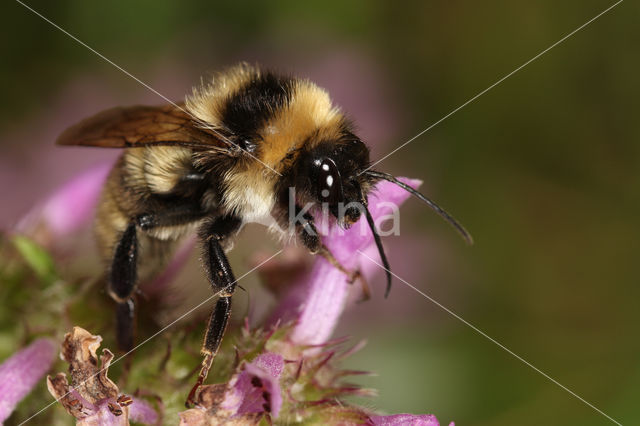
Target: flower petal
{"points": [[103, 416], [71, 206], [406, 420], [256, 389], [142, 412], [324, 302], [20, 373], [344, 243]]}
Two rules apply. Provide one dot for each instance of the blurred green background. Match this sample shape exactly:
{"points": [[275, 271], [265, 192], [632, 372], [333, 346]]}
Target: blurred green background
{"points": [[542, 169]]}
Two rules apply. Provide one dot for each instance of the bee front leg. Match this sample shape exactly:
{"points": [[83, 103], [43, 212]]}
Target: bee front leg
{"points": [[307, 232], [308, 235], [223, 282], [122, 283]]}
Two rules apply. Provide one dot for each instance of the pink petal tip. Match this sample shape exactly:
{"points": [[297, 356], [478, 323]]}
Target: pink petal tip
{"points": [[22, 371]]}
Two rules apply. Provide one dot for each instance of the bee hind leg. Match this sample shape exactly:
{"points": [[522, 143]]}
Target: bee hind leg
{"points": [[122, 284], [223, 282]]}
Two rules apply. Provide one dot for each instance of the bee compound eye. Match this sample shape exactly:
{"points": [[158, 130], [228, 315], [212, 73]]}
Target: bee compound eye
{"points": [[329, 183]]}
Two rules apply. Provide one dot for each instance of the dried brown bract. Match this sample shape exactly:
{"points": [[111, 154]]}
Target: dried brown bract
{"points": [[91, 381], [91, 391]]}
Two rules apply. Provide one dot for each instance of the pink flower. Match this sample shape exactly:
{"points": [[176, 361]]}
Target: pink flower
{"points": [[252, 392], [296, 375], [256, 389], [318, 300], [67, 209], [406, 420], [291, 373], [141, 412], [21, 372]]}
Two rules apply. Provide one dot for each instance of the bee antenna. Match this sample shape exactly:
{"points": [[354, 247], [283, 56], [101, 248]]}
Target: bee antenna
{"points": [[439, 210], [378, 241]]}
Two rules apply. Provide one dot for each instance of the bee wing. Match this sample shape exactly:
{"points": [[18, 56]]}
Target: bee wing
{"points": [[139, 126]]}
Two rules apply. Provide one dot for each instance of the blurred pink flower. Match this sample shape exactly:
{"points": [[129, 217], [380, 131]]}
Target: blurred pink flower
{"points": [[69, 208], [141, 412], [22, 371], [406, 420], [72, 206]]}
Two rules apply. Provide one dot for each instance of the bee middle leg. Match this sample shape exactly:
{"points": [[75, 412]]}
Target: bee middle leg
{"points": [[173, 215], [222, 282], [123, 274]]}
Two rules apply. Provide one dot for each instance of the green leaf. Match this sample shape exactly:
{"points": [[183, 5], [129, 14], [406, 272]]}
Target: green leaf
{"points": [[36, 257]]}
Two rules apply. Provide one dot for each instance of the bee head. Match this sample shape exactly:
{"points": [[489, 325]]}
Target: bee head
{"points": [[330, 177]]}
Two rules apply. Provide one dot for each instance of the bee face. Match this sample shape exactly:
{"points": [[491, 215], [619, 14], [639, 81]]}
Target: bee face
{"points": [[329, 175]]}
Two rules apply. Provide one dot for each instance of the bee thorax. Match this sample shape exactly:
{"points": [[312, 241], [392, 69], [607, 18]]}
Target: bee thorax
{"points": [[249, 196]]}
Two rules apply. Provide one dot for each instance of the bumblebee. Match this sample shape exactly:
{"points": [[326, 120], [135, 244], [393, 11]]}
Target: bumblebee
{"points": [[226, 156]]}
